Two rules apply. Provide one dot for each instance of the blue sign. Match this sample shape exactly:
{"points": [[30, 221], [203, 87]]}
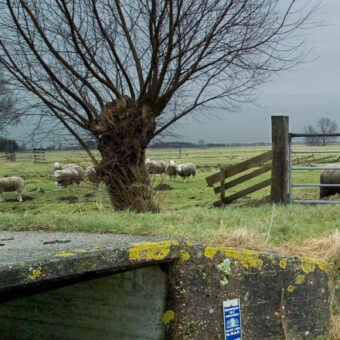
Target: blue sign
{"points": [[232, 319]]}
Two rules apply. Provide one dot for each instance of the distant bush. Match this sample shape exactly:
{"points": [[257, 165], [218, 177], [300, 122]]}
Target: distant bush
{"points": [[8, 145]]}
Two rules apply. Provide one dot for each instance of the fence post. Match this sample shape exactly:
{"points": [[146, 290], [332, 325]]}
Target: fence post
{"points": [[39, 155], [280, 140], [222, 180], [10, 156]]}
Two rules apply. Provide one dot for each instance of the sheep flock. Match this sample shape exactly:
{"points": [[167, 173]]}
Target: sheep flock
{"points": [[71, 174], [184, 170]]}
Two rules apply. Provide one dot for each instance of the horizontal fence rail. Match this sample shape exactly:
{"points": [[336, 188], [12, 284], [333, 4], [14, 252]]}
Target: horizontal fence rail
{"points": [[316, 151], [245, 192], [316, 185], [244, 178], [316, 168], [292, 135], [245, 165], [315, 201], [292, 168]]}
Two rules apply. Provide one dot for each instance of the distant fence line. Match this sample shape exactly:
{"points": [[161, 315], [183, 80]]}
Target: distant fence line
{"points": [[39, 155]]}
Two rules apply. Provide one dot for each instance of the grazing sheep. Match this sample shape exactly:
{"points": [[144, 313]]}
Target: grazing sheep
{"points": [[67, 177], [329, 176], [59, 166], [186, 170], [13, 183], [155, 167], [92, 175], [171, 170]]}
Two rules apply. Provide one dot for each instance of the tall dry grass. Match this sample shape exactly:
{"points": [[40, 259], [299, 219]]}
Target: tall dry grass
{"points": [[328, 248]]}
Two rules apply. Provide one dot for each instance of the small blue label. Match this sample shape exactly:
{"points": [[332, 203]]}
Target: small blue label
{"points": [[232, 319]]}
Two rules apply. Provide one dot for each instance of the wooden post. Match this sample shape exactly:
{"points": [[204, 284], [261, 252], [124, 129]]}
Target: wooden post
{"points": [[10, 156], [222, 180], [280, 142]]}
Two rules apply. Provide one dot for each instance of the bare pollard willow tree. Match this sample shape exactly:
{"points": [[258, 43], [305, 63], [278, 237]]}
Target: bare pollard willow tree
{"points": [[124, 71]]}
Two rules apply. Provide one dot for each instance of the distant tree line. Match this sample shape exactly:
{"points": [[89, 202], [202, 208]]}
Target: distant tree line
{"points": [[8, 145], [322, 126], [11, 145], [164, 145], [91, 145]]}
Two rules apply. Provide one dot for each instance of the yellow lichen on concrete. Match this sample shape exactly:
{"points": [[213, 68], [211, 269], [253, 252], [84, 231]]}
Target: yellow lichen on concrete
{"points": [[65, 254], [151, 250], [307, 265], [323, 265], [211, 251], [80, 250], [247, 258], [299, 279], [36, 273], [283, 263], [168, 316], [290, 288], [185, 256]]}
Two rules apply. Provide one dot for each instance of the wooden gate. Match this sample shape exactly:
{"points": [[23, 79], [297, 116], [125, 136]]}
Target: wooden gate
{"points": [[225, 173]]}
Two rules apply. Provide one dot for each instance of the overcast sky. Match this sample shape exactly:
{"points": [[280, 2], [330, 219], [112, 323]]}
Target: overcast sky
{"points": [[306, 93]]}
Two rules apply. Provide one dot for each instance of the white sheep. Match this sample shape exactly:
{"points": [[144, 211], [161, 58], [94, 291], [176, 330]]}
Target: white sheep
{"points": [[13, 183], [92, 175], [186, 170], [171, 170], [67, 177], [59, 166], [155, 167]]}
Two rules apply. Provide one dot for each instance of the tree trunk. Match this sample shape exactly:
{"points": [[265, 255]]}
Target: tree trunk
{"points": [[122, 144]]}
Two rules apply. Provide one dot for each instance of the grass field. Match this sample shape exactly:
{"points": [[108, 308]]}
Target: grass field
{"points": [[186, 211]]}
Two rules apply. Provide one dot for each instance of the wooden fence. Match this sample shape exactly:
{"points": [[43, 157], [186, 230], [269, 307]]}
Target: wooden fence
{"points": [[226, 173], [39, 155], [255, 162], [10, 156]]}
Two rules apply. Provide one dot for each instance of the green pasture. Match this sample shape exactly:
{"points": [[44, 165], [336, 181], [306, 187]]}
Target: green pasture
{"points": [[187, 210]]}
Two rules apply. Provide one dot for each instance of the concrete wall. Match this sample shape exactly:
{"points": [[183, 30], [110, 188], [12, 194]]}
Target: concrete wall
{"points": [[281, 297], [128, 305]]}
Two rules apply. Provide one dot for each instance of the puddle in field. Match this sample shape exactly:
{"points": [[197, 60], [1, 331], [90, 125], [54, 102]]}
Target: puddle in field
{"points": [[71, 199], [24, 198], [163, 187]]}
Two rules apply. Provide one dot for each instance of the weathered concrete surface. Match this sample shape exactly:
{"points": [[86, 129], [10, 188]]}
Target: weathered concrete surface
{"points": [[113, 307], [281, 297], [30, 258]]}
